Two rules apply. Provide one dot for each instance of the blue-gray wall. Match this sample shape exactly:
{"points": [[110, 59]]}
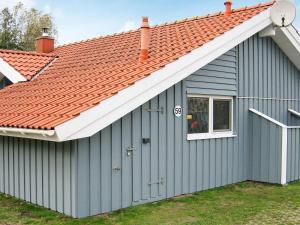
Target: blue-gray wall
{"points": [[268, 80], [269, 83], [167, 166], [293, 154], [217, 78], [95, 175], [39, 172], [265, 150]]}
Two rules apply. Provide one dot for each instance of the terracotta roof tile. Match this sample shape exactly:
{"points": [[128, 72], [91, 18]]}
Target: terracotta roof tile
{"points": [[91, 71], [27, 64]]}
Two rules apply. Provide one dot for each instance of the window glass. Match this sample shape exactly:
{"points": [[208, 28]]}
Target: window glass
{"points": [[222, 115], [198, 115]]}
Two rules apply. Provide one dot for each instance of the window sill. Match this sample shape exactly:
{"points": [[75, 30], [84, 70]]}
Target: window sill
{"points": [[191, 137]]}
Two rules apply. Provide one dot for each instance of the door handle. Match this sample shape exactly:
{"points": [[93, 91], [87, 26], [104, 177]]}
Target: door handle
{"points": [[130, 150]]}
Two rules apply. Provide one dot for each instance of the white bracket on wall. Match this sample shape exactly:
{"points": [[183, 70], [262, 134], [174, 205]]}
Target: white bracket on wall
{"points": [[293, 112]]}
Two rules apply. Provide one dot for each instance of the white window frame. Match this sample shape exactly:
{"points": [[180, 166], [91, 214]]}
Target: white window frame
{"points": [[211, 133]]}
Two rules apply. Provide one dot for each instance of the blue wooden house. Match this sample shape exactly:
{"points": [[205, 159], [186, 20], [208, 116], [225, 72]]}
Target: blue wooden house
{"points": [[95, 126]]}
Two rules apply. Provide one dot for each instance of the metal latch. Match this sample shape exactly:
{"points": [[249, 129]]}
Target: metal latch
{"points": [[129, 150], [161, 182]]}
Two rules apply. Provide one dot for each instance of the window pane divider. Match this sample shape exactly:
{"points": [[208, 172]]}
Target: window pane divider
{"points": [[211, 116]]}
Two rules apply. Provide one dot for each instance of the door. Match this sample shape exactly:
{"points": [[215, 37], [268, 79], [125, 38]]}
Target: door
{"points": [[149, 179]]}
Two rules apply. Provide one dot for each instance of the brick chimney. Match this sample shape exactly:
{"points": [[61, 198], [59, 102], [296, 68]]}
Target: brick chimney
{"points": [[228, 9], [45, 43], [145, 39]]}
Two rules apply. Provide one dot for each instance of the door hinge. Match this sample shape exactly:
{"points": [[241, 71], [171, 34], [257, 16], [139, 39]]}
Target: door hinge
{"points": [[161, 110], [161, 182]]}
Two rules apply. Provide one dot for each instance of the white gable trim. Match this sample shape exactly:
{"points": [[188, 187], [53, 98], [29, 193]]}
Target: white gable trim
{"points": [[288, 40], [10, 73], [95, 119]]}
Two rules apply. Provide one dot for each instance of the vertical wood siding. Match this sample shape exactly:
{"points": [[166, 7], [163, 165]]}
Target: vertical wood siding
{"points": [[267, 82], [266, 142], [167, 166], [39, 172], [269, 78], [293, 155]]}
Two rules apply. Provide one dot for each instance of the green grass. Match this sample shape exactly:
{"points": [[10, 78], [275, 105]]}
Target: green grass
{"points": [[244, 203]]}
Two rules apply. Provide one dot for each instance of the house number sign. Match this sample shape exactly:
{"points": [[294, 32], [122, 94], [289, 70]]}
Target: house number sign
{"points": [[178, 111]]}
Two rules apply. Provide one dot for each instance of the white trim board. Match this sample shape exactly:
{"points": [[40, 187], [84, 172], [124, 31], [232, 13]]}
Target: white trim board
{"points": [[284, 147], [288, 40], [192, 137], [273, 120], [112, 109], [295, 113], [268, 118], [10, 73]]}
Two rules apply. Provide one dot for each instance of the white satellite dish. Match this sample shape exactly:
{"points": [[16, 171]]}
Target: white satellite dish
{"points": [[283, 13]]}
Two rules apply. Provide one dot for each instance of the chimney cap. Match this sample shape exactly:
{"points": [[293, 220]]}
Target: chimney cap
{"points": [[45, 43], [145, 19], [145, 22], [228, 1], [46, 32]]}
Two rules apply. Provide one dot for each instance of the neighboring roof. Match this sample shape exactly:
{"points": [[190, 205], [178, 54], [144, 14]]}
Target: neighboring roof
{"points": [[28, 64]]}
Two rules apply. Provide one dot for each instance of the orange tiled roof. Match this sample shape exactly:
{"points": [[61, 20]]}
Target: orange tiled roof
{"points": [[89, 72], [27, 64]]}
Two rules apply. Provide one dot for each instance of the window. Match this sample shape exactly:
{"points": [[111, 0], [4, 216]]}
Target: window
{"points": [[209, 117]]}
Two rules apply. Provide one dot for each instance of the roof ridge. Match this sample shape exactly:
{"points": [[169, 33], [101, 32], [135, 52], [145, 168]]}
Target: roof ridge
{"points": [[26, 53], [168, 23]]}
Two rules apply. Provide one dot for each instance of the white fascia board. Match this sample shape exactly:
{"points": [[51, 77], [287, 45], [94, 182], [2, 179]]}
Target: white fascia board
{"points": [[10, 73], [95, 119], [288, 40], [47, 135]]}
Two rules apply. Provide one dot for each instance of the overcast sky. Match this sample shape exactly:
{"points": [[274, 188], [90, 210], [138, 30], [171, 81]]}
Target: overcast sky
{"points": [[81, 19]]}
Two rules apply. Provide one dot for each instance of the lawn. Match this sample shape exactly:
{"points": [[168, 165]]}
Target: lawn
{"points": [[244, 203]]}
